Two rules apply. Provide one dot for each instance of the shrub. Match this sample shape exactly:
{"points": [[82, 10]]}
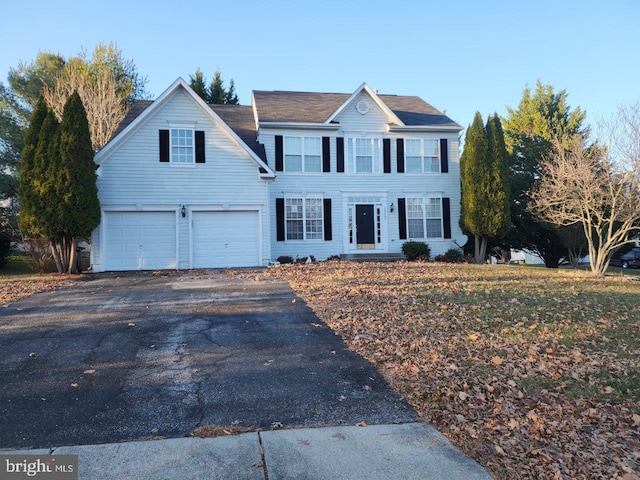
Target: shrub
{"points": [[38, 254], [453, 255], [282, 259], [334, 258], [416, 250]]}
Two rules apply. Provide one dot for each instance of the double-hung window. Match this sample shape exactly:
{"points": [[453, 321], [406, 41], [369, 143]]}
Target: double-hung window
{"points": [[302, 154], [364, 155], [422, 156], [424, 217], [304, 218], [182, 146]]}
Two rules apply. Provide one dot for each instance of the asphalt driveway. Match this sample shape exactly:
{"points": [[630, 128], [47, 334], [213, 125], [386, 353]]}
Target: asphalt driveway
{"points": [[140, 356]]}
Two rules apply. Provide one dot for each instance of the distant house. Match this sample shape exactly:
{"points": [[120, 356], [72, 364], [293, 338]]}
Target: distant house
{"points": [[188, 185]]}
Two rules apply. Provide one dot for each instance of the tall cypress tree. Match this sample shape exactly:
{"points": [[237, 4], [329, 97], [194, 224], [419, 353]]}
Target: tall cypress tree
{"points": [[47, 159], [26, 188], [485, 184], [499, 214], [474, 180], [75, 181]]}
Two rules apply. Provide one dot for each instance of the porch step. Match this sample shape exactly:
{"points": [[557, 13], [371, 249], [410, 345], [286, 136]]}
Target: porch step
{"points": [[373, 257]]}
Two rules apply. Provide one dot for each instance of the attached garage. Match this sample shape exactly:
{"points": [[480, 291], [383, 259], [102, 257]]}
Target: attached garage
{"points": [[226, 239], [140, 240]]}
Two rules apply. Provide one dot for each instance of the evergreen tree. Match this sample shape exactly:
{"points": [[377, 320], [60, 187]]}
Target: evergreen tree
{"points": [[541, 117], [500, 214], [26, 188], [484, 178], [216, 90], [198, 84], [75, 181], [475, 183], [230, 98], [47, 159]]}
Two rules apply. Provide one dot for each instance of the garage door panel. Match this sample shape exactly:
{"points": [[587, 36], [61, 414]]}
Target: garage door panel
{"points": [[140, 240], [225, 239]]}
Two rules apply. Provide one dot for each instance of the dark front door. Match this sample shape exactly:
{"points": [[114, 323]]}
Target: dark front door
{"points": [[365, 226]]}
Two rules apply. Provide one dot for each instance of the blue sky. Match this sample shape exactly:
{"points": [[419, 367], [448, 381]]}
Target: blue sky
{"points": [[462, 57]]}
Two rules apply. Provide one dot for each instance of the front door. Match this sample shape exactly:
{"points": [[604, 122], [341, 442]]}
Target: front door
{"points": [[365, 227]]}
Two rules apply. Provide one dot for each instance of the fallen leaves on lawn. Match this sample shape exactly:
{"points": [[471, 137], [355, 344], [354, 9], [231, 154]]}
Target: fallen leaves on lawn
{"points": [[533, 373], [16, 288]]}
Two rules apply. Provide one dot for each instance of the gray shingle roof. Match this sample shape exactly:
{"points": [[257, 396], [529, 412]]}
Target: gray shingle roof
{"points": [[136, 109], [240, 120], [302, 107], [299, 107], [307, 107]]}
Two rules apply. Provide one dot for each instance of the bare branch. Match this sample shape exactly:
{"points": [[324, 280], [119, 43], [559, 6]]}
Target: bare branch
{"points": [[596, 187], [99, 93]]}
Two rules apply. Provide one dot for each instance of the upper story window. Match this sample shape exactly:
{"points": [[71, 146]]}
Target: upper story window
{"points": [[302, 154], [422, 156], [182, 145], [424, 217], [364, 155]]}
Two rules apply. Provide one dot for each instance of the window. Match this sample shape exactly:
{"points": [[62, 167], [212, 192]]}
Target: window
{"points": [[424, 217], [363, 155], [302, 154], [182, 141], [422, 156], [303, 218]]}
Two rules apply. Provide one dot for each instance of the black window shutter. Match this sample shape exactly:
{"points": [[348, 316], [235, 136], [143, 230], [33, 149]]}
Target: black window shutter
{"points": [[164, 145], [279, 155], [280, 219], [444, 156], [400, 153], [200, 146], [386, 154], [326, 155], [327, 219], [446, 218], [340, 154], [402, 218]]}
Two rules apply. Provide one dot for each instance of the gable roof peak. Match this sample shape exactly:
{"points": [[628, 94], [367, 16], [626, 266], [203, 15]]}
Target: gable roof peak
{"points": [[393, 118]]}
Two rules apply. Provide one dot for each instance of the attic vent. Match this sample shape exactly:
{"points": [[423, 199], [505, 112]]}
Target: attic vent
{"points": [[363, 107]]}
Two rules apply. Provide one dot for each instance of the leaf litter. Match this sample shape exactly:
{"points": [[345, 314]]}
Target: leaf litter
{"points": [[534, 373]]}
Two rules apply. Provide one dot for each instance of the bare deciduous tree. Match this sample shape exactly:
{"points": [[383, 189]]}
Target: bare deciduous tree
{"points": [[99, 93], [597, 187]]}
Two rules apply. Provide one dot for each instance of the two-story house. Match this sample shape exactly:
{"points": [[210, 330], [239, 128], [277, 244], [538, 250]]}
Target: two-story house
{"points": [[185, 185]]}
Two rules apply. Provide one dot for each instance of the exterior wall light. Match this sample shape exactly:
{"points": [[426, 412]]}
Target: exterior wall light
{"points": [[391, 207], [183, 211]]}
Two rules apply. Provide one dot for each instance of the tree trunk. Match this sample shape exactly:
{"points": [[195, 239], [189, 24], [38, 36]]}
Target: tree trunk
{"points": [[483, 248], [73, 268], [56, 255], [480, 248]]}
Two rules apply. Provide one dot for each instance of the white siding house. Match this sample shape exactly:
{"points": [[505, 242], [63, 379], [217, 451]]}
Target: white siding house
{"points": [[179, 189], [190, 185]]}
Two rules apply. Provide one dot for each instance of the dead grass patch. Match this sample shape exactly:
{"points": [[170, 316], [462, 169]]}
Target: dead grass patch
{"points": [[532, 372]]}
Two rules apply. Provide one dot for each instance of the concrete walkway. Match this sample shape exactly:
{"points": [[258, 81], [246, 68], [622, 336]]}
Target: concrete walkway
{"points": [[406, 451]]}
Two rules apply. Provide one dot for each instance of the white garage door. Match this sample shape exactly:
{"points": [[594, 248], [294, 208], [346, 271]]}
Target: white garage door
{"points": [[225, 239], [140, 240]]}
